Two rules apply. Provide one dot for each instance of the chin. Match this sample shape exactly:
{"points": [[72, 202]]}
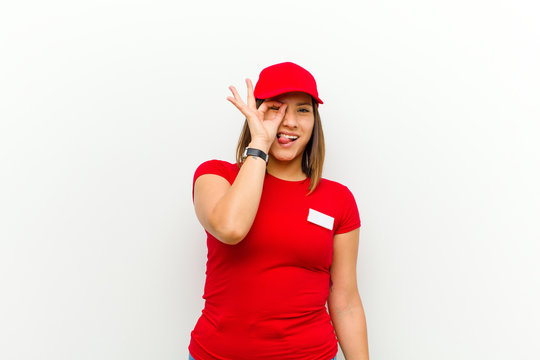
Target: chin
{"points": [[278, 158], [284, 157], [284, 154]]}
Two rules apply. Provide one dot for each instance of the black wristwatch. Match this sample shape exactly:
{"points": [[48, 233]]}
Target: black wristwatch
{"points": [[254, 152]]}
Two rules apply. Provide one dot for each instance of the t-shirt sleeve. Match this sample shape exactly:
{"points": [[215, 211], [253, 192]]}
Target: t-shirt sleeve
{"points": [[350, 218], [217, 167]]}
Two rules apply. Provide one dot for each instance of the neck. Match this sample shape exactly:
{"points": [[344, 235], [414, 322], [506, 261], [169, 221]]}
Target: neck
{"points": [[286, 170]]}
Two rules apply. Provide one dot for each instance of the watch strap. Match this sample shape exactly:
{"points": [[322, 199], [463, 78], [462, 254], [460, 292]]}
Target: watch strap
{"points": [[255, 152]]}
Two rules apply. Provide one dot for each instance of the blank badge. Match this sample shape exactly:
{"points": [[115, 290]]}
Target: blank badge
{"points": [[320, 219]]}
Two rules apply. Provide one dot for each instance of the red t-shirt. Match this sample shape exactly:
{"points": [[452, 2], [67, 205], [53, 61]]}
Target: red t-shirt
{"points": [[265, 298]]}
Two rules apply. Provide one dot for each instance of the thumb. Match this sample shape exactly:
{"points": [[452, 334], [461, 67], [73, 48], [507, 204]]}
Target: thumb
{"points": [[281, 113]]}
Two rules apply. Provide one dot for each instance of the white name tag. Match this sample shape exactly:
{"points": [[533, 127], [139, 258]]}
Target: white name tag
{"points": [[320, 219]]}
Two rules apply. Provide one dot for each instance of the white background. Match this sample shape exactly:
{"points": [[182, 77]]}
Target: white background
{"points": [[431, 118]]}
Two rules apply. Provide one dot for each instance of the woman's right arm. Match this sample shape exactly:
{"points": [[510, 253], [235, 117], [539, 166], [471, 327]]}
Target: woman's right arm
{"points": [[227, 211]]}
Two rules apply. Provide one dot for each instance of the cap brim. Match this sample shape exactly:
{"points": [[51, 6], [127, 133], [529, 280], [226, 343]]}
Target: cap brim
{"points": [[276, 92]]}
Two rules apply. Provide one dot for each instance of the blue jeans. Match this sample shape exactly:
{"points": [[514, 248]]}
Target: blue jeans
{"points": [[191, 357]]}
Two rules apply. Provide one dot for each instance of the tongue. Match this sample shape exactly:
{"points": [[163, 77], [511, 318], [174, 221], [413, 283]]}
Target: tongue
{"points": [[284, 140]]}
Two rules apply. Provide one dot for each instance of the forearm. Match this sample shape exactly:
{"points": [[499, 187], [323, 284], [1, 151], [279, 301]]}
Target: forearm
{"points": [[351, 330], [235, 212]]}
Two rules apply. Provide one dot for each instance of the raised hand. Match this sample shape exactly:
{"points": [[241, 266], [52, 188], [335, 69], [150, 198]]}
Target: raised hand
{"points": [[263, 131]]}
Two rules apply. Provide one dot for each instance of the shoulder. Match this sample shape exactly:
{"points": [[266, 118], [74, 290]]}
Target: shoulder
{"points": [[223, 168], [216, 163], [348, 217], [333, 186], [337, 191]]}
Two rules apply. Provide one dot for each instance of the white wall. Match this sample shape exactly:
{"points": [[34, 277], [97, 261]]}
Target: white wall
{"points": [[431, 118]]}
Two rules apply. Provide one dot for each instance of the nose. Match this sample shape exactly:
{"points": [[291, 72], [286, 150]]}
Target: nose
{"points": [[289, 119]]}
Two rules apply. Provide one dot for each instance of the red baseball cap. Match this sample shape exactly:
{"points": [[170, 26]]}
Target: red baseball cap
{"points": [[285, 77]]}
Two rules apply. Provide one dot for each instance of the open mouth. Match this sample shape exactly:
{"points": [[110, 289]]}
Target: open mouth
{"points": [[285, 139]]}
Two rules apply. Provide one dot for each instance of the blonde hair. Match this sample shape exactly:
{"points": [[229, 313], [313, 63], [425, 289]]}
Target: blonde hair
{"points": [[312, 157]]}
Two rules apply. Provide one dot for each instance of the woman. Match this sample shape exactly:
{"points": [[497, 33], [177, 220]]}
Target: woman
{"points": [[282, 240]]}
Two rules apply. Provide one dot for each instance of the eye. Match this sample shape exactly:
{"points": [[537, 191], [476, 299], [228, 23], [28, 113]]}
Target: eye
{"points": [[304, 110], [274, 108]]}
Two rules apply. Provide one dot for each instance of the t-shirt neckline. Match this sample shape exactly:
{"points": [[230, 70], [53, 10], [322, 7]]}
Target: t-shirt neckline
{"points": [[287, 181]]}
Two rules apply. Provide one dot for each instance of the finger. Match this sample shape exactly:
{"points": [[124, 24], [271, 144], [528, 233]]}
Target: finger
{"points": [[281, 113], [268, 104], [250, 97], [239, 106], [236, 95]]}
